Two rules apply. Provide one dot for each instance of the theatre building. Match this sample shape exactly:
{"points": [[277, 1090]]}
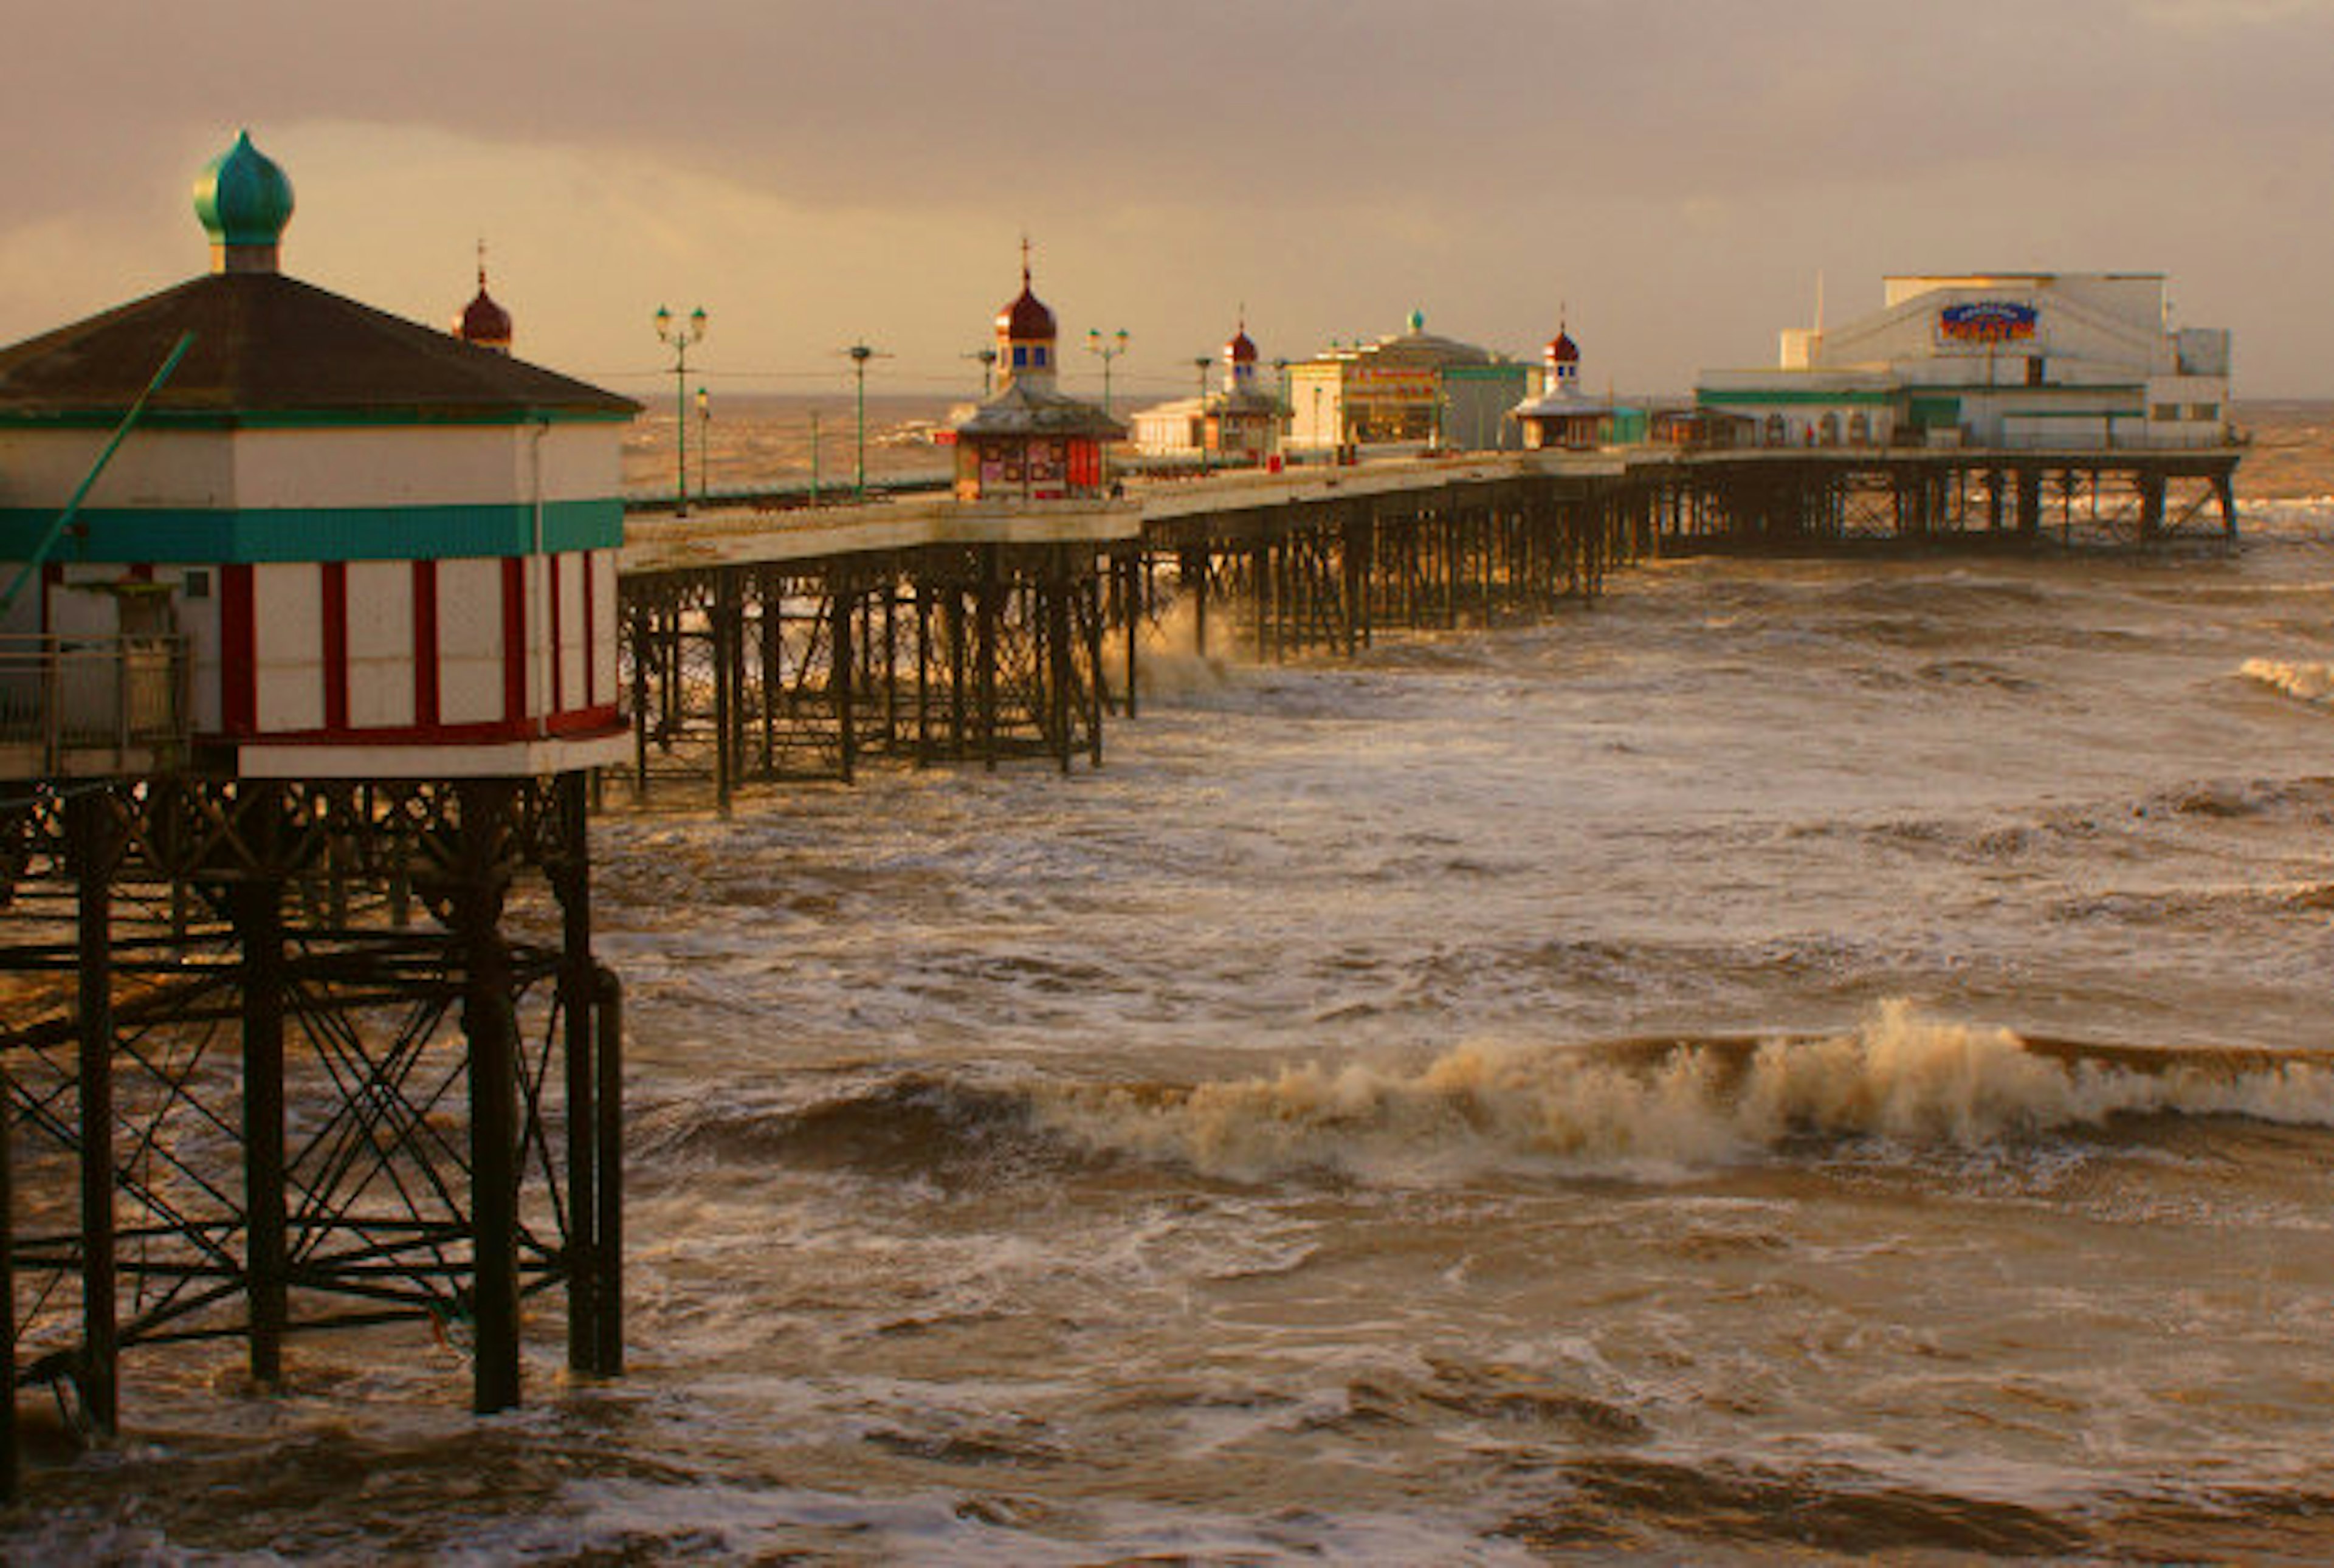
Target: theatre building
{"points": [[2022, 361]]}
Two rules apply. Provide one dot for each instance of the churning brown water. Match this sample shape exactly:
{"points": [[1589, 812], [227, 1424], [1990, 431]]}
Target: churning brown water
{"points": [[1804, 1060]]}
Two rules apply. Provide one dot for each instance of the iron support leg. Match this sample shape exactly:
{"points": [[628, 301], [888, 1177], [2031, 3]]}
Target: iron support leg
{"points": [[490, 1027], [259, 928], [608, 1289], [91, 830], [578, 981]]}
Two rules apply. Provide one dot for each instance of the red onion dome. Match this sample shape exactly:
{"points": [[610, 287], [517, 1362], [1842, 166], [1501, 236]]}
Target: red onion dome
{"points": [[1564, 350], [484, 322], [1026, 316], [1240, 350]]}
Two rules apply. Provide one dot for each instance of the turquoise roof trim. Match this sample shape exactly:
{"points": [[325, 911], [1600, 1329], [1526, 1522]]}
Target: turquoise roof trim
{"points": [[228, 537]]}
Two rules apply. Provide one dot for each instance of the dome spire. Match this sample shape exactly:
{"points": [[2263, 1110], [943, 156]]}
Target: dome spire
{"points": [[1025, 336], [482, 320], [244, 201]]}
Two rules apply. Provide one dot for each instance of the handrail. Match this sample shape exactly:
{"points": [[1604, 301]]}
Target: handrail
{"points": [[63, 695]]}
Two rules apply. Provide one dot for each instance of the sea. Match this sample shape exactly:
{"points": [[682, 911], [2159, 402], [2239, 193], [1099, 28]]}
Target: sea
{"points": [[1801, 1061]]}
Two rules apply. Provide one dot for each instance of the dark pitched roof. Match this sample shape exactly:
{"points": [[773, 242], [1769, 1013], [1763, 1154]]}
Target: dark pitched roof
{"points": [[266, 344], [1019, 411]]}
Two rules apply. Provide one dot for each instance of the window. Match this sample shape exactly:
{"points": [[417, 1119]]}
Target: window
{"points": [[1021, 356], [2165, 412], [2205, 410]]}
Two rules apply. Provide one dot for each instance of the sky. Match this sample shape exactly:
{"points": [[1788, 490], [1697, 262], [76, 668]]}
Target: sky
{"points": [[1670, 178]]}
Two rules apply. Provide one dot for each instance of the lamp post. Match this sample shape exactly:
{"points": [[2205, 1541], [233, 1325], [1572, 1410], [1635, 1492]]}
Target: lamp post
{"points": [[1317, 442], [814, 457], [680, 334], [704, 446], [1107, 349], [1199, 431], [988, 358], [860, 355]]}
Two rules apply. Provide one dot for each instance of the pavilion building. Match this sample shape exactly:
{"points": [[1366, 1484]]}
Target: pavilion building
{"points": [[387, 551], [1414, 388], [1240, 422], [1562, 416], [1029, 441]]}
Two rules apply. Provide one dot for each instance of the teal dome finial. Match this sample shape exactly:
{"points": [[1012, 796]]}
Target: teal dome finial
{"points": [[1418, 321], [244, 201]]}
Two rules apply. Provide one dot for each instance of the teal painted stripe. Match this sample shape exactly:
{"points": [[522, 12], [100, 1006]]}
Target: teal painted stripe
{"points": [[316, 532]]}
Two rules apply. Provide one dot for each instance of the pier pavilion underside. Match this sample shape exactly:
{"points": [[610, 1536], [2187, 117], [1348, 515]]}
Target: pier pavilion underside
{"points": [[276, 1068], [1324, 576], [800, 668], [1754, 500]]}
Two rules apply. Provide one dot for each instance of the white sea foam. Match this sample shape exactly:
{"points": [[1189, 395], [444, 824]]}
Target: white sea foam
{"points": [[1901, 1076], [2310, 681]]}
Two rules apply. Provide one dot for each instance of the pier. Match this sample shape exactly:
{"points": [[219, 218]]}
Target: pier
{"points": [[304, 1028], [248, 947], [767, 645]]}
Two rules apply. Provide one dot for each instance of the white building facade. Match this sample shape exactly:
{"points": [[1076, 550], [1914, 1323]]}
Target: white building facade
{"points": [[2017, 360]]}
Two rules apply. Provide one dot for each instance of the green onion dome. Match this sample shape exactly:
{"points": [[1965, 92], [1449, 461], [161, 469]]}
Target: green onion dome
{"points": [[242, 197]]}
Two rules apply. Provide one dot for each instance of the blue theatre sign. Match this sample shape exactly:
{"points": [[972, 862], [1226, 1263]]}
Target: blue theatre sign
{"points": [[1986, 322]]}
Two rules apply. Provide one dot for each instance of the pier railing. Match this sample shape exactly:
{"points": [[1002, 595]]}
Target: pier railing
{"points": [[89, 706]]}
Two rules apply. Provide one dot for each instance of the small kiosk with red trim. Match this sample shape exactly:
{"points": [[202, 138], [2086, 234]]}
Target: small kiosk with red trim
{"points": [[1029, 442]]}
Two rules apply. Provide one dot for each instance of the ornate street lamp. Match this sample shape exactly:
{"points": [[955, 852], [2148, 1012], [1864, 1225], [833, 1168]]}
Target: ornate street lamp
{"points": [[681, 335], [988, 358], [704, 445], [860, 355], [1108, 349]]}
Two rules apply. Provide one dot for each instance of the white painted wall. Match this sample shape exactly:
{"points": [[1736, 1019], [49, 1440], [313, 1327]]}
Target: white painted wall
{"points": [[604, 625], [150, 469], [380, 645], [288, 638], [424, 466], [469, 641], [569, 572]]}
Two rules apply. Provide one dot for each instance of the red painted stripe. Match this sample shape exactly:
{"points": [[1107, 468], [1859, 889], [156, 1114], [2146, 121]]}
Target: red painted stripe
{"points": [[599, 719], [591, 651], [238, 652], [553, 573], [425, 644], [336, 644], [582, 723], [513, 638]]}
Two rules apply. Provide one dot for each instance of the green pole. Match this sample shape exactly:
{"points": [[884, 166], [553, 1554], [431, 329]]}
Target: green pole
{"points": [[120, 433]]}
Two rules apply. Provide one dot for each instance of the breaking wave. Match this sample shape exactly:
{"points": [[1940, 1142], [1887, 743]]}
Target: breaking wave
{"points": [[2309, 682], [1901, 1077], [1641, 1108]]}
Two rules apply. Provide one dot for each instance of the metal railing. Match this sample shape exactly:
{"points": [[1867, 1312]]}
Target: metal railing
{"points": [[84, 705]]}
